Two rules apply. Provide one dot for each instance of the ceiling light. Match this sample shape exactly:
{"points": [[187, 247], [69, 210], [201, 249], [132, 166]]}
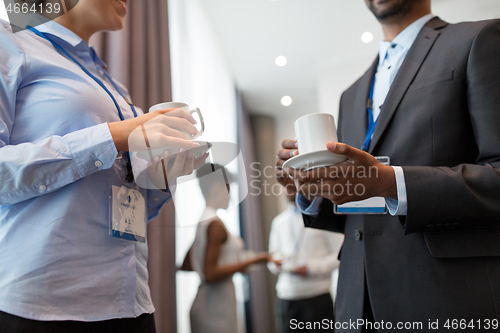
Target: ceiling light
{"points": [[281, 61], [286, 101], [367, 37]]}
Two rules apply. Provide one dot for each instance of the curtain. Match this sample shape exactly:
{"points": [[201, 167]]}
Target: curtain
{"points": [[261, 318], [139, 57]]}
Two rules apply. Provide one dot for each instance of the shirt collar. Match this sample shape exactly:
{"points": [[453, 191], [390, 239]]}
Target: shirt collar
{"points": [[292, 207], [67, 36], [407, 37], [62, 33], [96, 58]]}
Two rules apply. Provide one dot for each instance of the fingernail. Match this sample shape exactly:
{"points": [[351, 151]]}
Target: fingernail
{"points": [[156, 158], [196, 144], [296, 145], [182, 151]]}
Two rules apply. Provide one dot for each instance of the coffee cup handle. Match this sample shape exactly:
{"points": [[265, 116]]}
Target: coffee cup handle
{"points": [[202, 122]]}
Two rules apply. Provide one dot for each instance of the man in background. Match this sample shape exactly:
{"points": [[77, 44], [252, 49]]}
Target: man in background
{"points": [[308, 258], [432, 99]]}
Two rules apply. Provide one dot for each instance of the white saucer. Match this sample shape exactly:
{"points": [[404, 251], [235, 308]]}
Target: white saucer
{"points": [[197, 151], [313, 160]]}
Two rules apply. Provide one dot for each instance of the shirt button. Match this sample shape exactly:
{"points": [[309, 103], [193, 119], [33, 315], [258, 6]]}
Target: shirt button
{"points": [[357, 235], [98, 164], [42, 187], [156, 199]]}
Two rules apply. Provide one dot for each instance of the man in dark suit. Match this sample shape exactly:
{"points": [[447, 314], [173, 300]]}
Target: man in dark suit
{"points": [[435, 259]]}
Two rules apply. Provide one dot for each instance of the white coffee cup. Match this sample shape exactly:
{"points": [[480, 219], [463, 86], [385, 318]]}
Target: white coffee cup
{"points": [[185, 107], [313, 131]]}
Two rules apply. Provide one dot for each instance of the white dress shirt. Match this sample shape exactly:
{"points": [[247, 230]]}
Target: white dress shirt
{"points": [[391, 57], [57, 161], [315, 249]]}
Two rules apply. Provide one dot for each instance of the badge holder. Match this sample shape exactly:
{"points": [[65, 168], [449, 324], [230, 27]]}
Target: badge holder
{"points": [[373, 206], [127, 213]]}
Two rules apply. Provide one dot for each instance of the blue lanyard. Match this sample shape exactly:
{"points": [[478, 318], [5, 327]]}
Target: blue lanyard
{"points": [[371, 122], [130, 176], [99, 82]]}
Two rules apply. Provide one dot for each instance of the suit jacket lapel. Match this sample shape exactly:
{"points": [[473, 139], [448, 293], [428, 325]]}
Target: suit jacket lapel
{"points": [[409, 69]]}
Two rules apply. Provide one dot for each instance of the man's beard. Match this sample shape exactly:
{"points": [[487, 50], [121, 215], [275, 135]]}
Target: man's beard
{"points": [[390, 8]]}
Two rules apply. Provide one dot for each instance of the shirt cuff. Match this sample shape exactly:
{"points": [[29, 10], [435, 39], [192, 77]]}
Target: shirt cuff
{"points": [[308, 208], [399, 206], [92, 148]]}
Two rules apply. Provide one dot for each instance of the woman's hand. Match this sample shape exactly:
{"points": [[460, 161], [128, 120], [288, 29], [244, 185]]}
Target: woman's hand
{"points": [[262, 257], [277, 262], [302, 271], [162, 174], [157, 129]]}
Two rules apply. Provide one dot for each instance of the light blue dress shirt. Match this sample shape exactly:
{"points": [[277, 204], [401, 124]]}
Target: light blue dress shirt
{"points": [[391, 57], [57, 163]]}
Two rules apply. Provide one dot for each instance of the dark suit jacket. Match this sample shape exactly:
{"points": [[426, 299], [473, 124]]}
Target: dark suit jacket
{"points": [[441, 123]]}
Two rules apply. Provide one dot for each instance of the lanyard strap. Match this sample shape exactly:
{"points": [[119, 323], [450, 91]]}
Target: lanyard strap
{"points": [[110, 79], [371, 122], [130, 175], [92, 76]]}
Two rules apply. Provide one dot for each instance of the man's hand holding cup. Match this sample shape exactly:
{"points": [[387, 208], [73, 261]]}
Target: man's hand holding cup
{"points": [[359, 177]]}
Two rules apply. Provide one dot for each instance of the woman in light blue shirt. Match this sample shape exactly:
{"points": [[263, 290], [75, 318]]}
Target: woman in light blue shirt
{"points": [[62, 154]]}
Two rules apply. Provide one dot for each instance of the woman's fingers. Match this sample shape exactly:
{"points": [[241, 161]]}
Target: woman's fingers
{"points": [[200, 161], [188, 164], [180, 113], [170, 132], [178, 166], [169, 141], [179, 124]]}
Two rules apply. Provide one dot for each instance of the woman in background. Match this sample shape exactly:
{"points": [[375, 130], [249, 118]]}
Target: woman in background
{"points": [[216, 255]]}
